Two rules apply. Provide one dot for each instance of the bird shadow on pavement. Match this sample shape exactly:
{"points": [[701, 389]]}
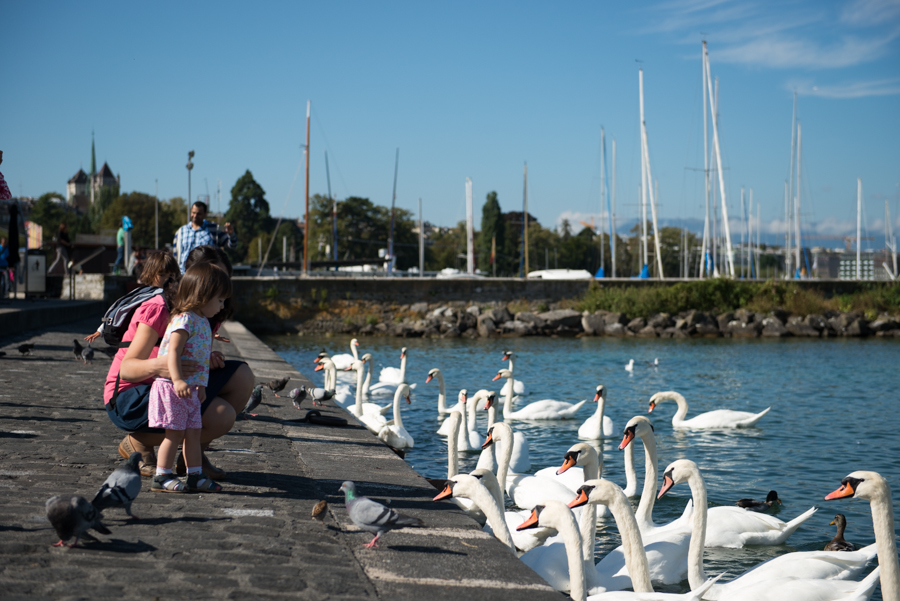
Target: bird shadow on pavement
{"points": [[116, 545], [160, 521], [37, 418], [14, 435], [423, 549]]}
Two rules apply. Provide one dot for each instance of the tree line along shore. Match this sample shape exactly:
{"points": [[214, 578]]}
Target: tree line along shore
{"points": [[710, 308]]}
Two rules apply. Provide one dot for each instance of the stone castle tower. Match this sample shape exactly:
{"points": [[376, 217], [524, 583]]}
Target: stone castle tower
{"points": [[83, 188]]}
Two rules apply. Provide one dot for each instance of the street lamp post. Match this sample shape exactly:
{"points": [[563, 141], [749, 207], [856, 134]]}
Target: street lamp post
{"points": [[190, 166]]}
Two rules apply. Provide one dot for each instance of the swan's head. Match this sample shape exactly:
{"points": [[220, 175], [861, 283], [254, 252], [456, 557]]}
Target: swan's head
{"points": [[599, 491], [498, 432], [322, 355], [503, 373], [507, 355], [403, 392], [357, 365], [489, 399], [459, 486], [432, 374], [840, 520], [659, 397], [463, 396], [354, 342], [574, 455], [403, 353], [677, 472], [447, 491], [636, 426], [366, 358], [319, 367], [601, 393], [862, 485]]}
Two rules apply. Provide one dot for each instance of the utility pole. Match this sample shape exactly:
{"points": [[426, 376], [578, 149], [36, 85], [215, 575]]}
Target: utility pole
{"points": [[306, 196]]}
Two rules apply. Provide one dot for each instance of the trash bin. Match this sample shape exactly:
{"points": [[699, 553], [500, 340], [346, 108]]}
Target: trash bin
{"points": [[37, 271]]}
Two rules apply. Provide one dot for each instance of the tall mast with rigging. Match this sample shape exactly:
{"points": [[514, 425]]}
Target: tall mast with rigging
{"points": [[306, 213]]}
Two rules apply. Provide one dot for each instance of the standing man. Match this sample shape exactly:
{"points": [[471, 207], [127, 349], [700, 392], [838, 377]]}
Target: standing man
{"points": [[200, 232], [120, 249]]}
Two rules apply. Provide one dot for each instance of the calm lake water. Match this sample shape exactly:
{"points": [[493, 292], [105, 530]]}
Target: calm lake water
{"points": [[834, 410]]}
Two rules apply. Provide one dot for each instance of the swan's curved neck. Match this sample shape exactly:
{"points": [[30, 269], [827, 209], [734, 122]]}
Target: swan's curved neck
{"points": [[403, 368], [471, 408], [883, 524], [504, 458], [488, 505], [330, 377], [507, 400], [591, 466], [587, 525], [492, 415], [452, 448], [682, 411], [696, 573], [601, 408], [644, 513], [632, 544], [354, 352], [357, 408], [368, 381], [442, 393], [398, 420], [630, 472], [511, 370], [565, 525]]}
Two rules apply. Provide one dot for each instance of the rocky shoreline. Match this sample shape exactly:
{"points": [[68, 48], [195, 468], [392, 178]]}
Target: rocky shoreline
{"points": [[460, 319]]}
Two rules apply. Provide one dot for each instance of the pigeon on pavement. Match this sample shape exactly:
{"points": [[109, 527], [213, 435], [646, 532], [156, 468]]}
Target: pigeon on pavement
{"points": [[374, 517], [278, 385], [87, 354], [73, 516], [25, 349], [319, 511], [122, 486], [298, 395], [77, 349], [254, 401]]}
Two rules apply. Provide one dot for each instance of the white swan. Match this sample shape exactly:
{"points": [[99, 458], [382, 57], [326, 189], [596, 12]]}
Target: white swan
{"points": [[518, 388], [525, 540], [454, 420], [371, 419], [525, 490], [728, 526], [464, 487], [520, 460], [442, 392], [581, 462], [629, 367], [343, 361], [390, 377], [474, 439], [538, 410], [326, 365], [597, 426], [368, 381], [809, 565], [554, 514], [460, 406], [393, 433], [711, 420]]}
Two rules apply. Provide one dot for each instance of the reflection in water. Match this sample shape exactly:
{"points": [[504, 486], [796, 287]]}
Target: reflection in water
{"points": [[833, 411]]}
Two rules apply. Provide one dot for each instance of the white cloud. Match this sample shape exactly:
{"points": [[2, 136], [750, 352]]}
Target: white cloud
{"points": [[870, 12], [783, 52], [857, 89]]}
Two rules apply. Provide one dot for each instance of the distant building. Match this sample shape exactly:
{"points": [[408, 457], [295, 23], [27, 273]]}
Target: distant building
{"points": [[83, 188]]}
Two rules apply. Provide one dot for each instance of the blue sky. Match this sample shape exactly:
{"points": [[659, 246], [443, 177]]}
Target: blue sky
{"points": [[464, 89]]}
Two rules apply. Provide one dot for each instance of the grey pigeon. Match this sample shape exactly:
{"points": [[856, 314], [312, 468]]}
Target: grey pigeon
{"points": [[73, 516], [319, 395], [374, 517], [298, 395], [122, 486], [278, 385], [25, 349], [253, 402], [77, 348], [87, 354]]}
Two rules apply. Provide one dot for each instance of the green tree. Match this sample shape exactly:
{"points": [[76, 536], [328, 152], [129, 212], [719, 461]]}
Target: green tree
{"points": [[50, 210], [493, 227], [248, 211], [447, 248], [141, 209], [101, 203]]}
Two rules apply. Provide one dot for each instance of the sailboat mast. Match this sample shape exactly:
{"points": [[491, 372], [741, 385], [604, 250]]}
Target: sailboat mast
{"points": [[334, 237], [704, 249], [603, 195], [612, 218], [743, 214], [421, 242], [525, 218], [470, 230], [390, 268], [644, 179], [797, 204], [858, 228], [788, 212], [729, 254], [306, 214]]}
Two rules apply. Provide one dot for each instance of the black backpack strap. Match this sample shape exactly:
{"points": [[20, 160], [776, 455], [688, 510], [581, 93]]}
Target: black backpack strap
{"points": [[111, 405]]}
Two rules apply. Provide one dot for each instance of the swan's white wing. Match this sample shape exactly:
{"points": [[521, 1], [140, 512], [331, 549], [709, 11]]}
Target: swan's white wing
{"points": [[572, 478], [520, 461], [734, 527], [805, 589], [527, 491], [547, 409], [390, 375], [722, 419]]}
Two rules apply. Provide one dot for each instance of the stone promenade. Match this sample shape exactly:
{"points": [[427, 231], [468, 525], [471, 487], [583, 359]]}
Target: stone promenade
{"points": [[253, 541]]}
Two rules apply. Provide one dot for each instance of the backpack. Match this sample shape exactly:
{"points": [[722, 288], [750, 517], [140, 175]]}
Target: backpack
{"points": [[117, 318]]}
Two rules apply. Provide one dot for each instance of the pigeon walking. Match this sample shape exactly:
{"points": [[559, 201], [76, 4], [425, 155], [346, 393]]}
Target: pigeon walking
{"points": [[122, 487], [25, 349], [298, 395], [87, 355], [374, 517], [278, 385], [77, 349], [319, 511], [253, 402], [73, 516]]}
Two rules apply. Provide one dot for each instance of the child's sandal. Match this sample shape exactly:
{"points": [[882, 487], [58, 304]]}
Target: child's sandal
{"points": [[166, 483], [202, 483]]}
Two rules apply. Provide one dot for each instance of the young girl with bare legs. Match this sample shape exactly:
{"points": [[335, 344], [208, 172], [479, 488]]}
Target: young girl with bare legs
{"points": [[175, 404]]}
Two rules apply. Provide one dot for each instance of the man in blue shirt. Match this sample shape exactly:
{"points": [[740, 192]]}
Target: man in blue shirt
{"points": [[200, 232]]}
